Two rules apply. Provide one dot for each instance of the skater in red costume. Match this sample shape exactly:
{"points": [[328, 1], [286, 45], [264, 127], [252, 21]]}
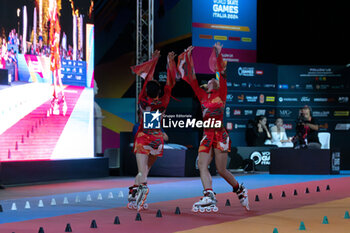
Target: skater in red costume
{"points": [[215, 141], [149, 142], [55, 60]]}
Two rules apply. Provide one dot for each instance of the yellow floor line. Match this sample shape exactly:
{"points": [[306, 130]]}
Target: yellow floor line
{"points": [[289, 220]]}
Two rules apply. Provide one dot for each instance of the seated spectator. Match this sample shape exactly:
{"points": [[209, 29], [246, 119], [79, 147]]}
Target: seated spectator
{"points": [[258, 134], [278, 134]]}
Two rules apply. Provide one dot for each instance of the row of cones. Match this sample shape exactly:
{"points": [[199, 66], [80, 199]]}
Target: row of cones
{"points": [[65, 201], [116, 221], [324, 221], [295, 193], [40, 122]]}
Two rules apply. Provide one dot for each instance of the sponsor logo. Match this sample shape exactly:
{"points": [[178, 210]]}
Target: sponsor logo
{"points": [[320, 99], [236, 85], [250, 85], [261, 98], [240, 98], [305, 99], [285, 112], [246, 71], [287, 126], [324, 86], [251, 99], [288, 99], [260, 158], [244, 84], [342, 126], [240, 126], [260, 112], [259, 72], [283, 86], [191, 123], [269, 85], [228, 111], [237, 112], [298, 86], [229, 126], [341, 113], [229, 84], [270, 99], [257, 85], [229, 97], [272, 112], [309, 86], [343, 99], [151, 120], [248, 112], [320, 113]]}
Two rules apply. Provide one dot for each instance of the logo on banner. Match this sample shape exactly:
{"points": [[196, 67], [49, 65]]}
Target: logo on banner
{"points": [[260, 158], [341, 113], [320, 99], [320, 113], [248, 112], [343, 99], [285, 112], [228, 111], [259, 72], [269, 85], [246, 71], [240, 98], [229, 98], [260, 112], [237, 112], [272, 112], [287, 126], [240, 126], [229, 126], [283, 86], [270, 99], [251, 98], [261, 98], [305, 99], [151, 120]]}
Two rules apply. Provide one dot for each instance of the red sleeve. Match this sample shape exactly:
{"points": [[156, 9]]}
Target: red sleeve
{"points": [[199, 92]]}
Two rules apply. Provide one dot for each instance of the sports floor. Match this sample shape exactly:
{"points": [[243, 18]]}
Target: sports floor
{"points": [[51, 206]]}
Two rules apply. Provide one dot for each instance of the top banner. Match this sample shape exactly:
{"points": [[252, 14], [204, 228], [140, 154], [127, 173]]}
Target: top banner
{"points": [[232, 22]]}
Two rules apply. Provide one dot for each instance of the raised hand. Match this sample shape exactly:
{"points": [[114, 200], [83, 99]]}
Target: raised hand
{"points": [[171, 55], [218, 46], [156, 53], [190, 48]]}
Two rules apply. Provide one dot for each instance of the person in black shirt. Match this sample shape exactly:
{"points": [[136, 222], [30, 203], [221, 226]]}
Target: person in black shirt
{"points": [[261, 134], [307, 129]]}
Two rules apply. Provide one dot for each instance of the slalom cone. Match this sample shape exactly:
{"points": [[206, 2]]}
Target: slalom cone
{"points": [[307, 190], [120, 194], [138, 217], [283, 194], [325, 220], [65, 201], [53, 201], [159, 214], [99, 197], [88, 198], [13, 207], [41, 230], [177, 210], [27, 205], [68, 228], [295, 192], [257, 198], [302, 226], [116, 220], [346, 215], [110, 195], [227, 203], [275, 230], [270, 196], [93, 224], [41, 203]]}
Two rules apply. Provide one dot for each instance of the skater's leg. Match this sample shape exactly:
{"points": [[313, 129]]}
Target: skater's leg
{"points": [[221, 163], [142, 165], [204, 159], [151, 160]]}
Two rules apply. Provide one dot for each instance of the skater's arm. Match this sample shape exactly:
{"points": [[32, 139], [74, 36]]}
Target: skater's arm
{"points": [[146, 71], [171, 78], [217, 64], [190, 76]]}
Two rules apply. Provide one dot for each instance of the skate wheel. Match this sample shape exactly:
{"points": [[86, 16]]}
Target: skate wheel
{"points": [[130, 206], [145, 206], [201, 209], [134, 206], [195, 209], [208, 209], [215, 209]]}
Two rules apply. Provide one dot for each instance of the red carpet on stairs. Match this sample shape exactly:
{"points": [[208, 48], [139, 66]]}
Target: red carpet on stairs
{"points": [[36, 135]]}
